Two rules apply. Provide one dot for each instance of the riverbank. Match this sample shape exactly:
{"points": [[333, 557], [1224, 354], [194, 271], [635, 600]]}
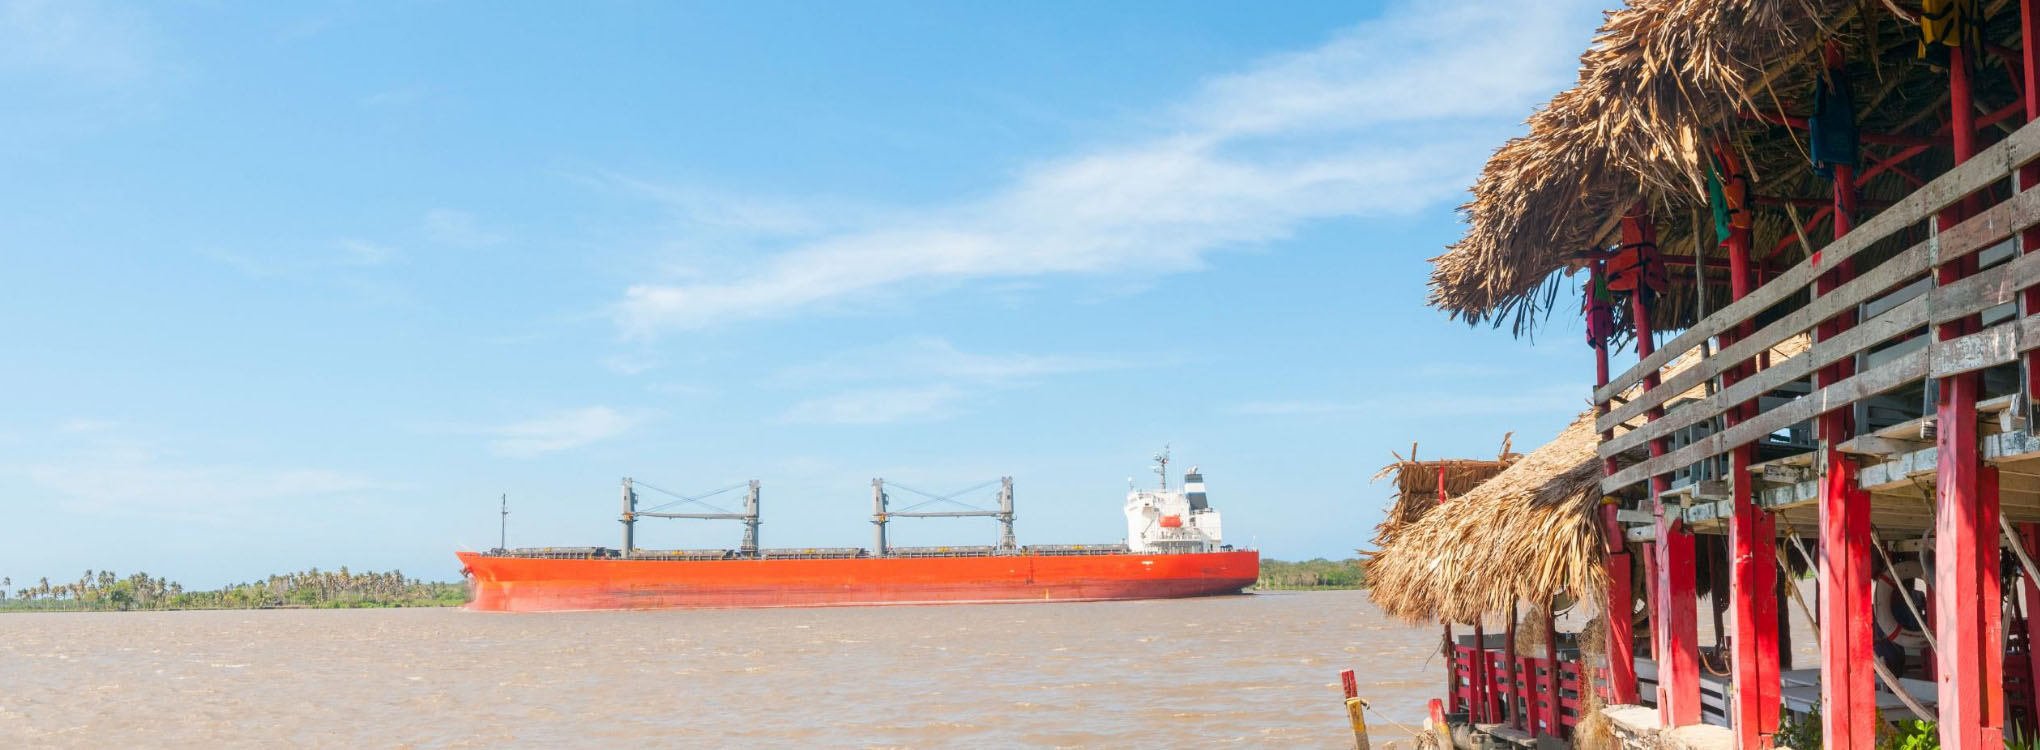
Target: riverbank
{"points": [[106, 591], [1317, 574]]}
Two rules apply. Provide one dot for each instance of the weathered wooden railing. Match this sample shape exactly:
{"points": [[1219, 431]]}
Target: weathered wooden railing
{"points": [[1493, 686], [1993, 345]]}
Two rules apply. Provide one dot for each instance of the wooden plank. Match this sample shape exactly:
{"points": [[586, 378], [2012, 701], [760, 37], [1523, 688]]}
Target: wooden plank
{"points": [[1898, 372], [1893, 322], [1986, 348], [1985, 289], [1988, 166]]}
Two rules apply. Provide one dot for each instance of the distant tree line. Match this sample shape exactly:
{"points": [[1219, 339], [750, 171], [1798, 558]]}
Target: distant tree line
{"points": [[1317, 573], [106, 591]]}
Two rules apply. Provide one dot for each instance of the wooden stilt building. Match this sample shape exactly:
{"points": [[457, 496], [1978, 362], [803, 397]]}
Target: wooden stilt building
{"points": [[1729, 175]]}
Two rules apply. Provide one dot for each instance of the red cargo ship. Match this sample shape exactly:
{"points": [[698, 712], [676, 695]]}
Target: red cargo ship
{"points": [[1173, 549]]}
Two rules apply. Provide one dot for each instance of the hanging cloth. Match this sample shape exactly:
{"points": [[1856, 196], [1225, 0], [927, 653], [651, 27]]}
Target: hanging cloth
{"points": [[1637, 266], [1600, 307], [1717, 201], [1952, 23], [1728, 192], [1833, 124]]}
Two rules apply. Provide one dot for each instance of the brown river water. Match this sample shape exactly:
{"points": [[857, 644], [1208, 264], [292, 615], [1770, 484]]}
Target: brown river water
{"points": [[1258, 671]]}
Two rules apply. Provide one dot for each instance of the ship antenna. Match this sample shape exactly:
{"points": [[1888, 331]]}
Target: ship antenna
{"points": [[503, 532], [1162, 465]]}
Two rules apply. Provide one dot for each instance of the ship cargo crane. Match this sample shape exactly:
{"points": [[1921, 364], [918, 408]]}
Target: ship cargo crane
{"points": [[749, 516], [880, 514]]}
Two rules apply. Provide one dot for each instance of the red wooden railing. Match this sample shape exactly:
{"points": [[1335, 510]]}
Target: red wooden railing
{"points": [[1516, 694]]}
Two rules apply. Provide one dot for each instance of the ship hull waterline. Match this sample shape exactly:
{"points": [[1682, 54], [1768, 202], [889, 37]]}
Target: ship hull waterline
{"points": [[532, 584]]}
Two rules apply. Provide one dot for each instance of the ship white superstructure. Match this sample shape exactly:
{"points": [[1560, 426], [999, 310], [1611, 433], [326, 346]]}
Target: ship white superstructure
{"points": [[1165, 521]]}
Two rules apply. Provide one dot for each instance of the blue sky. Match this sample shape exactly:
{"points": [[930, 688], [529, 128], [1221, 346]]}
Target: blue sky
{"points": [[307, 284]]}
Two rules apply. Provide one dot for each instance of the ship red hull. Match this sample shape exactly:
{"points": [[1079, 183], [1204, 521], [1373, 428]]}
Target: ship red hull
{"points": [[523, 584]]}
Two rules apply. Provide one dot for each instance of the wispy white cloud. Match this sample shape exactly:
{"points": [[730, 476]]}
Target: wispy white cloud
{"points": [[921, 379], [937, 358], [361, 253], [304, 28], [85, 424], [79, 41], [317, 262], [560, 430], [629, 364], [1531, 400], [1391, 116], [879, 405], [460, 228], [76, 67], [107, 471]]}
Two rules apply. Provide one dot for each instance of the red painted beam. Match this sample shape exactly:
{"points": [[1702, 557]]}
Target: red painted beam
{"points": [[1482, 701], [1891, 164], [2029, 177], [1620, 635], [2029, 535], [1677, 628], [1800, 123], [1554, 713], [1753, 706], [1849, 700], [1964, 497]]}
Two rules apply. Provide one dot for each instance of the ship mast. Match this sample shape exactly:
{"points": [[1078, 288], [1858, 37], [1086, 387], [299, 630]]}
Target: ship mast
{"points": [[1162, 466], [629, 518]]}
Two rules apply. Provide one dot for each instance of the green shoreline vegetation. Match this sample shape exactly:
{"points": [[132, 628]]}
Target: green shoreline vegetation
{"points": [[105, 591], [1317, 574]]}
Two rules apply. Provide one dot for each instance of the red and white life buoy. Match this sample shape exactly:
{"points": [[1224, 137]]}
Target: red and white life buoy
{"points": [[1885, 605]]}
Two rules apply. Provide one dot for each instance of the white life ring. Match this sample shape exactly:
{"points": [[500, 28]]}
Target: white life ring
{"points": [[1884, 603]]}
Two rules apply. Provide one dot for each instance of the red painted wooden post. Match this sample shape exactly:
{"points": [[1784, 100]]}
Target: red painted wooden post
{"points": [[1554, 712], [1961, 542], [1482, 701], [1512, 714], [2029, 535], [1620, 632], [1752, 533], [1678, 624], [1350, 683], [2029, 241], [1849, 692], [1990, 602]]}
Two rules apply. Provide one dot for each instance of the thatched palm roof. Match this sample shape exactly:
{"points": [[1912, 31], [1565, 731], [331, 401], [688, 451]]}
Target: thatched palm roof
{"points": [[1526, 534], [1530, 534], [1662, 81], [1416, 484]]}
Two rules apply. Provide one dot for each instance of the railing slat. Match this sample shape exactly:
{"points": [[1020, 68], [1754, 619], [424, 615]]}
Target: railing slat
{"points": [[1898, 270], [1973, 235], [1896, 321], [1968, 296], [1905, 369], [1990, 165]]}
